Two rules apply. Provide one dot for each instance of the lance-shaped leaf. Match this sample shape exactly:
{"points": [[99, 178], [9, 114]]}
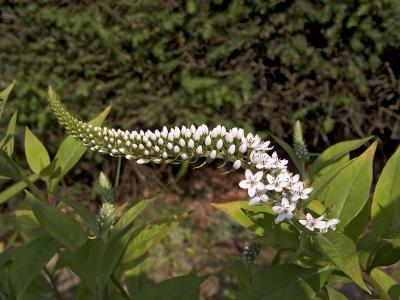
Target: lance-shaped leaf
{"points": [[9, 146], [126, 221], [285, 282], [8, 168], [342, 252], [235, 211], [29, 261], [62, 227], [36, 154], [4, 96], [348, 192], [16, 188], [334, 294], [179, 288], [71, 151], [149, 236], [334, 153], [385, 210], [82, 212]]}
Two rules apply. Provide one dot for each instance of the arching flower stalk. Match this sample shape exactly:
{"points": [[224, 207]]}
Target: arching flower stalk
{"points": [[267, 179]]}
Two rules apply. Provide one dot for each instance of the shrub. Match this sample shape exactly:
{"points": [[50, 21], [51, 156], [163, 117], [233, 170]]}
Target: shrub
{"points": [[253, 63], [107, 251]]}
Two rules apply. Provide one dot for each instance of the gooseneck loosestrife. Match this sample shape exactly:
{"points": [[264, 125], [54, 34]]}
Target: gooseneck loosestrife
{"points": [[267, 179]]}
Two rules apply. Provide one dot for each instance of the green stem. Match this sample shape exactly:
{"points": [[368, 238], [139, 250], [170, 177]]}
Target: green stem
{"points": [[119, 286], [35, 191], [378, 288], [118, 173], [300, 249], [53, 283]]}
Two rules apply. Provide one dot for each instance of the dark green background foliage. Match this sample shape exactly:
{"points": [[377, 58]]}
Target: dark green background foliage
{"points": [[255, 63]]}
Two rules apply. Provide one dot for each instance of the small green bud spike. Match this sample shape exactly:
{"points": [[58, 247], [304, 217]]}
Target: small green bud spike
{"points": [[298, 133], [104, 181], [300, 147]]}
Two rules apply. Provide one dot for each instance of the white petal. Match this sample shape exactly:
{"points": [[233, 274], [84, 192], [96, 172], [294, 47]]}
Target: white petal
{"points": [[309, 216], [289, 215], [307, 190], [254, 201], [244, 184], [258, 176], [270, 178], [277, 209], [280, 217], [303, 222], [292, 207], [285, 202], [252, 191], [248, 174], [260, 186]]}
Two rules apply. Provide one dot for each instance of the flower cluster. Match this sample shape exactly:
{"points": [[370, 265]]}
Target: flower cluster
{"points": [[272, 183], [266, 177]]}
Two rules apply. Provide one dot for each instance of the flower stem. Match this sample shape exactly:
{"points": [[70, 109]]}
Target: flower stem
{"points": [[377, 287], [118, 173], [119, 286], [53, 283]]}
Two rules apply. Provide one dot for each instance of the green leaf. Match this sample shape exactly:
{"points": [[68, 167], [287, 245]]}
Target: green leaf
{"points": [[178, 288], [384, 280], [148, 237], [284, 282], [235, 211], [334, 294], [4, 96], [36, 154], [281, 235], [62, 227], [385, 210], [334, 153], [9, 146], [82, 211], [289, 150], [14, 189], [359, 224], [127, 219], [29, 261], [385, 255], [8, 168], [86, 262], [71, 151], [342, 252], [395, 241], [348, 192]]}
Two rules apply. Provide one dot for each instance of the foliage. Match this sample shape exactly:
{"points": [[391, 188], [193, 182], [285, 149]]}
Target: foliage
{"points": [[332, 64], [105, 250]]}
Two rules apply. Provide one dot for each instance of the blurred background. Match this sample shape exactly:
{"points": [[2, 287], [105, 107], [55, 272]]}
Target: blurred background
{"points": [[261, 65]]}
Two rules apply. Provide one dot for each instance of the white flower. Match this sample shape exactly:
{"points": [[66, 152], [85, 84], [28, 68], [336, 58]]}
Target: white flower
{"points": [[190, 143], [237, 164], [231, 149], [251, 141], [299, 192], [252, 182], [330, 224], [199, 150], [243, 148], [213, 154], [220, 143], [259, 198], [310, 223], [264, 146], [285, 210], [207, 141], [277, 183]]}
